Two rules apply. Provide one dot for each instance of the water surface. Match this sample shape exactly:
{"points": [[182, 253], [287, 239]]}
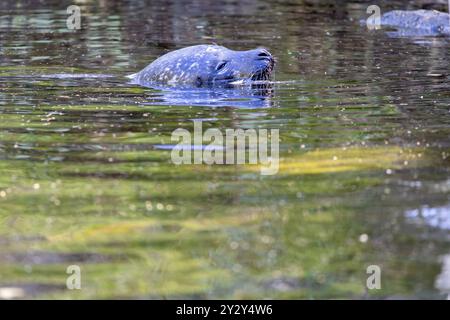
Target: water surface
{"points": [[364, 175]]}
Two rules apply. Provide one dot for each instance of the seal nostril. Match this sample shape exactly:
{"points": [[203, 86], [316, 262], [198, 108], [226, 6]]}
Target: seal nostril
{"points": [[265, 55], [263, 52]]}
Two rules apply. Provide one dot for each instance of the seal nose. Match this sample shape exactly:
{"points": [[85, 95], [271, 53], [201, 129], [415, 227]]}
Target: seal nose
{"points": [[264, 54]]}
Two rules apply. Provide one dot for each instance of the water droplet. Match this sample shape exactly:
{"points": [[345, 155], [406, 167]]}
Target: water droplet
{"points": [[363, 238]]}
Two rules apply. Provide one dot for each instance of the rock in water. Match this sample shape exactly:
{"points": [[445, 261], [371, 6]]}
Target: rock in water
{"points": [[418, 22]]}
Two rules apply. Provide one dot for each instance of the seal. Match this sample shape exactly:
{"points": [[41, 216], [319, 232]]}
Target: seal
{"points": [[206, 65]]}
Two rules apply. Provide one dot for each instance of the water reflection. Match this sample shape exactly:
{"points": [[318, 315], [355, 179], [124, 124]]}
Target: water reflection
{"points": [[438, 217], [239, 97], [442, 282]]}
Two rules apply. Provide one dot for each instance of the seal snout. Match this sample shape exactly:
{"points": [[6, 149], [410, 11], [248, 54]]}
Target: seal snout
{"points": [[266, 64], [262, 54]]}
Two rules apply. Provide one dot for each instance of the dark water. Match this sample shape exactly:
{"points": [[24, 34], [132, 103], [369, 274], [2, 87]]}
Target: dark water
{"points": [[364, 176]]}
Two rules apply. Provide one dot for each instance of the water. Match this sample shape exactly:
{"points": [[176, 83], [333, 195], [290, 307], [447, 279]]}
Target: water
{"points": [[86, 180]]}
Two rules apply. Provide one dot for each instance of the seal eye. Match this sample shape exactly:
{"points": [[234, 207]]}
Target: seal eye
{"points": [[221, 65]]}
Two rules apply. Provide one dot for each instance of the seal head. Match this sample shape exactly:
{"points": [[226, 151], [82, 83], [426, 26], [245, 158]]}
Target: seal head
{"points": [[207, 65]]}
